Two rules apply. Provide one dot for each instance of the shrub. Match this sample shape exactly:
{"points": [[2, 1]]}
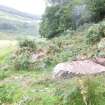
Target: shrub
{"points": [[28, 44], [21, 58], [101, 44], [22, 61], [95, 33]]}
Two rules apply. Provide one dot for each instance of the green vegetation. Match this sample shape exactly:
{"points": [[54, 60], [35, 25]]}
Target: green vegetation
{"points": [[27, 44], [30, 83], [9, 93], [97, 9], [96, 33], [33, 85], [56, 20], [26, 65], [60, 18], [30, 88]]}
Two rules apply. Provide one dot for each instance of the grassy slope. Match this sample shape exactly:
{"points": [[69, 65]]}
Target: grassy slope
{"points": [[37, 87]]}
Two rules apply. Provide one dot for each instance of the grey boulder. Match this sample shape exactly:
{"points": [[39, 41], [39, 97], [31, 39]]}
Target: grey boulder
{"points": [[76, 68]]}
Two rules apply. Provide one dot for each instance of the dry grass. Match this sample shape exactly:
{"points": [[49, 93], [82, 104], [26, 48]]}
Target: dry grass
{"points": [[7, 43]]}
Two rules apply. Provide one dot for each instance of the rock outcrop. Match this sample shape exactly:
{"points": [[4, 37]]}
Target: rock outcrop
{"points": [[100, 60], [77, 68]]}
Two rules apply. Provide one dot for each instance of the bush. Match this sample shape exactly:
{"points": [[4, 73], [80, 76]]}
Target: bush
{"points": [[22, 61], [95, 33], [101, 44], [21, 58], [28, 44]]}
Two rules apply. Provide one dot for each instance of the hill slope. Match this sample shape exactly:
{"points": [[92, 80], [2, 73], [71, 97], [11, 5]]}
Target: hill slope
{"points": [[15, 23], [18, 13]]}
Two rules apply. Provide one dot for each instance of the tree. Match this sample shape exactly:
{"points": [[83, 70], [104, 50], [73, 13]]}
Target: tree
{"points": [[56, 20], [97, 8]]}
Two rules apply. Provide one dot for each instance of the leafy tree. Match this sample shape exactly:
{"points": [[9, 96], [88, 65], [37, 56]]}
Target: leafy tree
{"points": [[49, 25], [56, 20], [97, 8]]}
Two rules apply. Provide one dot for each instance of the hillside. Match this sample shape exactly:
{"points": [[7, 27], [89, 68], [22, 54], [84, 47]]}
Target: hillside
{"points": [[35, 85], [15, 23], [64, 65], [15, 12]]}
